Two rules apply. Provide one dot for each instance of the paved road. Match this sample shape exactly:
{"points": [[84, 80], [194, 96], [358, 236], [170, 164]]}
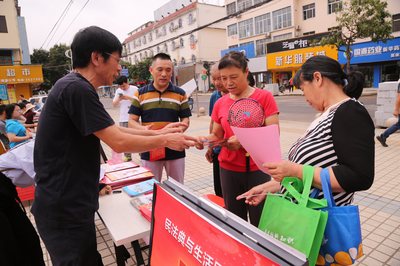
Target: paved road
{"points": [[293, 108]]}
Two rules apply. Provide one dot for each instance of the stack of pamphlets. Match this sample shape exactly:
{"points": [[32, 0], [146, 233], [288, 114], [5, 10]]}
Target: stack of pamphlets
{"points": [[122, 174], [140, 188], [144, 204]]}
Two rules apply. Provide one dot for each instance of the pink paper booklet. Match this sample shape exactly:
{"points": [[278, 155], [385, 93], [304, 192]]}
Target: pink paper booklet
{"points": [[262, 143], [117, 167], [122, 174]]}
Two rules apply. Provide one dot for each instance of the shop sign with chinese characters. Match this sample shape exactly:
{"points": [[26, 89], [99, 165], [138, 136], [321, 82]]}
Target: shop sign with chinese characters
{"points": [[369, 52], [18, 74], [295, 58]]}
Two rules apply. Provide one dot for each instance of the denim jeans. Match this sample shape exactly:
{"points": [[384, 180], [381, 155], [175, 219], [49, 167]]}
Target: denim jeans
{"points": [[391, 129]]}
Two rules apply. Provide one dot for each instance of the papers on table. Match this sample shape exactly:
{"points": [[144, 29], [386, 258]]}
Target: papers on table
{"points": [[262, 143], [123, 174]]}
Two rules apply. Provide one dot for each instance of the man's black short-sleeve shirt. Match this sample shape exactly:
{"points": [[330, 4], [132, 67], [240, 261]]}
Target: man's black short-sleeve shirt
{"points": [[66, 154]]}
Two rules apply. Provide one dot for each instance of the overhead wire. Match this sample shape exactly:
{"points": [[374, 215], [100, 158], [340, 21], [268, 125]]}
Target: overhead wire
{"points": [[58, 26], [73, 20], [58, 20]]}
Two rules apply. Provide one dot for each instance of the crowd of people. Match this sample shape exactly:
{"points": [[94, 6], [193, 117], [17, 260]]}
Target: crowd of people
{"points": [[152, 122]]}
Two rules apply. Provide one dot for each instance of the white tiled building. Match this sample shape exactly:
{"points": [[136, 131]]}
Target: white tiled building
{"points": [[259, 27], [174, 32]]}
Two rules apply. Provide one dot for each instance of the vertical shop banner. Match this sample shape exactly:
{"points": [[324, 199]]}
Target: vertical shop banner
{"points": [[3, 92], [182, 236]]}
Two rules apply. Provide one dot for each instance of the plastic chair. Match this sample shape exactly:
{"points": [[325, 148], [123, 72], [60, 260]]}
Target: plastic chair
{"points": [[216, 199]]}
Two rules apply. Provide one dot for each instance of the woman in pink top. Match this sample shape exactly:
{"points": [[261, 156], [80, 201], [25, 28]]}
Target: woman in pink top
{"points": [[236, 176]]}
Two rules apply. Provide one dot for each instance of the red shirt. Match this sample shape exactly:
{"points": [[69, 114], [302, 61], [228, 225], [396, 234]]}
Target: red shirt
{"points": [[236, 160]]}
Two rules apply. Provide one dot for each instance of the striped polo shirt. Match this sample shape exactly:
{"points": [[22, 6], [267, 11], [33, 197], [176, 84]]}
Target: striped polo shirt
{"points": [[159, 109]]}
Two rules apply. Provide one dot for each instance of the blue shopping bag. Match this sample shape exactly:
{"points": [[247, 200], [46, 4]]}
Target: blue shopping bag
{"points": [[342, 243]]}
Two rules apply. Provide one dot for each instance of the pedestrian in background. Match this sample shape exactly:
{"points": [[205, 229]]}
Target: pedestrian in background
{"points": [[123, 97], [383, 137], [161, 104], [213, 152]]}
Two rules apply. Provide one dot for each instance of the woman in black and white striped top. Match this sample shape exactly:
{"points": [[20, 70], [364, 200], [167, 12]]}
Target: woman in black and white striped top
{"points": [[341, 139]]}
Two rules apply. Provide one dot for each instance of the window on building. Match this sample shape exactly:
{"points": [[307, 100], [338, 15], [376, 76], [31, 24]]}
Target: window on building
{"points": [[3, 24], [173, 45], [243, 4], [180, 23], [231, 8], [183, 61], [256, 2], [193, 58], [175, 62], [181, 42], [283, 36], [262, 23], [261, 46], [232, 46], [308, 33], [164, 30], [282, 18], [158, 49], [334, 6], [165, 48], [144, 40], [5, 57], [192, 39], [232, 29], [309, 11], [150, 37], [246, 28], [191, 19], [396, 22]]}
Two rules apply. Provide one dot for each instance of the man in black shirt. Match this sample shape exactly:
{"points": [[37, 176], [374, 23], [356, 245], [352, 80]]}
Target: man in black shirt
{"points": [[67, 157]]}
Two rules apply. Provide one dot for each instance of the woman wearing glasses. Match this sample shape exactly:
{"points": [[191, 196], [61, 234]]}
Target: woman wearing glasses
{"points": [[16, 132]]}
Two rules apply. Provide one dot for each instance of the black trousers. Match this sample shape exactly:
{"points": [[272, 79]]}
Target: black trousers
{"points": [[19, 242], [236, 183], [216, 175], [70, 245]]}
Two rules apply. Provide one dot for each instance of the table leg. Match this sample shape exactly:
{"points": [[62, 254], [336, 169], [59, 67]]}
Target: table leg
{"points": [[121, 255], [138, 252]]}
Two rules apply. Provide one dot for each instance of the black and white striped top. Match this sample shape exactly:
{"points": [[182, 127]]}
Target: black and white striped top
{"points": [[341, 138]]}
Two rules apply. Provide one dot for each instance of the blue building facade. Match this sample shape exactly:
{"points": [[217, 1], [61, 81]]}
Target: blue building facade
{"points": [[379, 61]]}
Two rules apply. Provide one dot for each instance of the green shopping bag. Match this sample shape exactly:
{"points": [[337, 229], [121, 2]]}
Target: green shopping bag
{"points": [[296, 223]]}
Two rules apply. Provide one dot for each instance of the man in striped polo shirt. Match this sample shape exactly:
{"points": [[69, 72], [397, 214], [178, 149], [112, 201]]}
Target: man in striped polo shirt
{"points": [[161, 104]]}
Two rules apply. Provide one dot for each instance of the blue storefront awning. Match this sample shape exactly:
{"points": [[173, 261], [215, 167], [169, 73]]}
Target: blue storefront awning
{"points": [[369, 52]]}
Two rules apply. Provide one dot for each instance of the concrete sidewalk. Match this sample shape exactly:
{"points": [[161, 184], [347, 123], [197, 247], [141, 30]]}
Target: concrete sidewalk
{"points": [[379, 206]]}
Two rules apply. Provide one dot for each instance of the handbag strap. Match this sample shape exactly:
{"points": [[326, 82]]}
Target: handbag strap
{"points": [[300, 190], [326, 187]]}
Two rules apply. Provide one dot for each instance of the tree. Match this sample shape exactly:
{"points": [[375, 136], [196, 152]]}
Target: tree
{"points": [[360, 19], [140, 71], [55, 63]]}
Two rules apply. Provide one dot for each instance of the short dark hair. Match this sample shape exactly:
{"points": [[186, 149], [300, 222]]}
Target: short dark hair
{"points": [[21, 105], [93, 39], [121, 80], [9, 110], [353, 82], [233, 59], [2, 108], [161, 56]]}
